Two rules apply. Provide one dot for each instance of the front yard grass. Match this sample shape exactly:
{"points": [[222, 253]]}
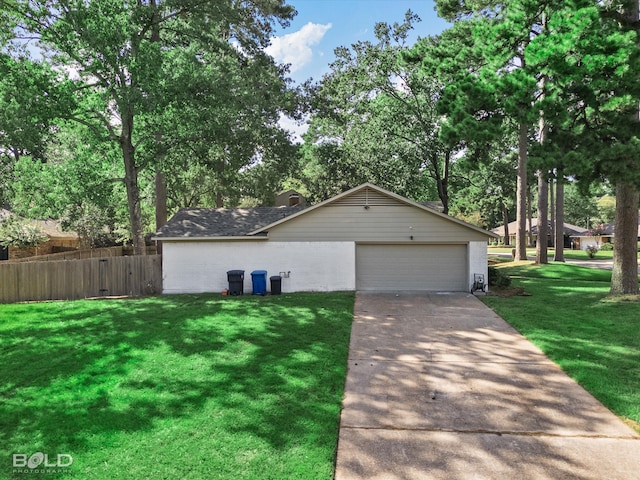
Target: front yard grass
{"points": [[594, 338], [568, 253], [186, 386]]}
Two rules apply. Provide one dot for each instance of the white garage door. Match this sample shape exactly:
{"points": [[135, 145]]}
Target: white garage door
{"points": [[411, 267]]}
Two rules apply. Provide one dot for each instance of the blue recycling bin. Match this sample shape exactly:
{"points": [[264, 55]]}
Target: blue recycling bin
{"points": [[259, 280]]}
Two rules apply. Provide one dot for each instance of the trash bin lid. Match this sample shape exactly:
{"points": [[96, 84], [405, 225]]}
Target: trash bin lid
{"points": [[235, 272], [259, 272], [275, 277]]}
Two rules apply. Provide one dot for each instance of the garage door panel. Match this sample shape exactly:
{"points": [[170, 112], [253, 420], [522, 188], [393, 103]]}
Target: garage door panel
{"points": [[411, 267]]}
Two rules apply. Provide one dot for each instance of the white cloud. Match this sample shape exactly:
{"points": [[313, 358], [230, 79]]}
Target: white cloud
{"points": [[296, 128], [295, 48]]}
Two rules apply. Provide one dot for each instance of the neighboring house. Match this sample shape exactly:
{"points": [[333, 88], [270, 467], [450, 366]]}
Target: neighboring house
{"points": [[569, 232], [364, 239], [585, 239], [290, 198], [58, 240]]}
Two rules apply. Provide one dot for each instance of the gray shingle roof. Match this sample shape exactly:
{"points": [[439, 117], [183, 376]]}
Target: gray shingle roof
{"points": [[609, 230], [513, 226], [222, 222]]}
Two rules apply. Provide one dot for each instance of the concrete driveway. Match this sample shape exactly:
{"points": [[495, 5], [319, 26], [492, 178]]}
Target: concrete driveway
{"points": [[440, 387], [601, 264]]}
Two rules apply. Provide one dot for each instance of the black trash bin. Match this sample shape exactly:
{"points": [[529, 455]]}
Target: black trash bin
{"points": [[276, 285], [236, 282]]}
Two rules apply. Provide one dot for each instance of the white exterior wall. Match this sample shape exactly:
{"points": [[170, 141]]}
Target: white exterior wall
{"points": [[586, 242], [477, 257], [197, 267]]}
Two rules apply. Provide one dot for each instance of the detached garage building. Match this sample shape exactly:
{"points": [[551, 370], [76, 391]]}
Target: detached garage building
{"points": [[364, 239]]}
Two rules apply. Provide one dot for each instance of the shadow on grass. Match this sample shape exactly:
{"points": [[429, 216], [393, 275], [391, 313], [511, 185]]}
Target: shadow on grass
{"points": [[269, 367], [559, 271]]}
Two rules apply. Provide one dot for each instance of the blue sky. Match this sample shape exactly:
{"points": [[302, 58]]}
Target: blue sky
{"points": [[322, 25]]}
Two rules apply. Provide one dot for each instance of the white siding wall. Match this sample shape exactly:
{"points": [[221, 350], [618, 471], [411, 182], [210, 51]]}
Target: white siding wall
{"points": [[477, 255], [586, 242], [196, 267]]}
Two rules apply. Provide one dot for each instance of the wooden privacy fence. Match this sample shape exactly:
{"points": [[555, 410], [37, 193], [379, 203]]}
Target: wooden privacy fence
{"points": [[83, 254], [74, 279]]}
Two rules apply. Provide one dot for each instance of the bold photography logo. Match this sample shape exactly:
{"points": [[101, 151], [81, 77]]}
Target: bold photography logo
{"points": [[42, 461]]}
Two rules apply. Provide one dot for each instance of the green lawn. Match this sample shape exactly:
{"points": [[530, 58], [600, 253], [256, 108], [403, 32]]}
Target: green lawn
{"points": [[568, 253], [187, 386], [595, 339]]}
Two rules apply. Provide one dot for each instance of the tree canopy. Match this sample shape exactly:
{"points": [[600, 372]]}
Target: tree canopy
{"points": [[137, 67], [126, 100]]}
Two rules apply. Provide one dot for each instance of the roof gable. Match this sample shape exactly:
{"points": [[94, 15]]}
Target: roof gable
{"points": [[197, 223], [369, 195]]}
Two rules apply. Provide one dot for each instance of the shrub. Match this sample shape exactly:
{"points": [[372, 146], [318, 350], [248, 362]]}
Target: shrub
{"points": [[497, 278], [607, 247], [592, 250]]}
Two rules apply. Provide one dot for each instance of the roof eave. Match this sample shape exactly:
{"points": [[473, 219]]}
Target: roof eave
{"points": [[210, 239]]}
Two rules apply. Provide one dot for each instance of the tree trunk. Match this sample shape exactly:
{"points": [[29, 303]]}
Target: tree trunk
{"points": [[131, 184], [442, 180], [542, 256], [160, 183], [161, 205], [443, 188], [624, 278], [559, 217], [219, 195], [219, 200], [530, 218], [552, 213], [505, 221], [443, 184], [542, 245], [521, 201]]}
